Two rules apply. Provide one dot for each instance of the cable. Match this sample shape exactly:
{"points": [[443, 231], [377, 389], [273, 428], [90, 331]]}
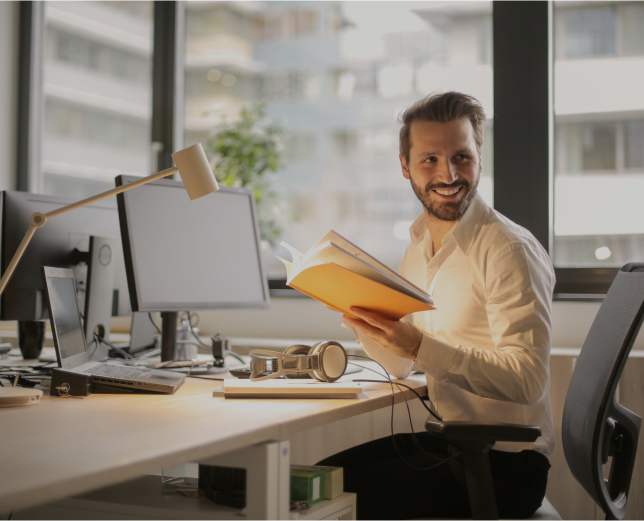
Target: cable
{"points": [[410, 388], [190, 315], [411, 424], [100, 339], [95, 347], [154, 323], [393, 403]]}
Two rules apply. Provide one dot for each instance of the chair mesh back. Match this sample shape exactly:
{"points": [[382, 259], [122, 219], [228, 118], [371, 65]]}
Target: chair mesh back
{"points": [[590, 399]]}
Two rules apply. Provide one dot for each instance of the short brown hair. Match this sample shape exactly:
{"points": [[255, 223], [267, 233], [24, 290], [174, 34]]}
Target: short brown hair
{"points": [[442, 108]]}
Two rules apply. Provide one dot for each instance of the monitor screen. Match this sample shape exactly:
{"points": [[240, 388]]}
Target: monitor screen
{"points": [[64, 310], [182, 254], [54, 245]]}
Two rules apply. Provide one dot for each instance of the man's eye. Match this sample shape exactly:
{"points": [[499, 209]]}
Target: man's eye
{"points": [[431, 159]]}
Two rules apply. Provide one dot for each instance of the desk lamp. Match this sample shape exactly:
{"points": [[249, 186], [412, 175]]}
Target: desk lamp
{"points": [[192, 165]]}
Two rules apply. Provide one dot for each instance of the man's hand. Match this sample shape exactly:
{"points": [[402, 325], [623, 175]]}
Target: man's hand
{"points": [[400, 337]]}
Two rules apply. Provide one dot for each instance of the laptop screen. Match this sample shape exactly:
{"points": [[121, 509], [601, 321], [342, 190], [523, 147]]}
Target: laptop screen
{"points": [[64, 307]]}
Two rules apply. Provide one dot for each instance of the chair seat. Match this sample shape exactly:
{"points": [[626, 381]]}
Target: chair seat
{"points": [[545, 513]]}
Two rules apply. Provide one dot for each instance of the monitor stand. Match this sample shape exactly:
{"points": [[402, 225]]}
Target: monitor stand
{"points": [[169, 345], [168, 335]]}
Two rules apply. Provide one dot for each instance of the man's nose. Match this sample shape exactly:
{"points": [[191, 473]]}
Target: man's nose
{"points": [[447, 173]]}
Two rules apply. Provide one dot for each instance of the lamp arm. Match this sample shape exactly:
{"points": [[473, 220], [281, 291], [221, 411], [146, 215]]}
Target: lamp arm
{"points": [[110, 193], [38, 219], [16, 258]]}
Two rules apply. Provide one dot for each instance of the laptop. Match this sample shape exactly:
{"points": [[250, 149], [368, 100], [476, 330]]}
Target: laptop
{"points": [[71, 348]]}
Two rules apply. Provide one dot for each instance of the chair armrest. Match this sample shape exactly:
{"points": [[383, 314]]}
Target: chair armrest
{"points": [[482, 432]]}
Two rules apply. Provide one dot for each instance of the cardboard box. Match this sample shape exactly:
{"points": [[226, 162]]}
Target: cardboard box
{"points": [[307, 485], [333, 479]]}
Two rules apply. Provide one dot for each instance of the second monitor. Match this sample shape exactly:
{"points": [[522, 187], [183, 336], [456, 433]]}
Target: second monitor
{"points": [[185, 255]]}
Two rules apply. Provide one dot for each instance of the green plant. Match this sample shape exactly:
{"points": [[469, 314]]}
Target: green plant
{"points": [[246, 152]]}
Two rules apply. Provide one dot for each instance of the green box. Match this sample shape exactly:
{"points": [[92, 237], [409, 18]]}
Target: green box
{"points": [[333, 479], [307, 485]]}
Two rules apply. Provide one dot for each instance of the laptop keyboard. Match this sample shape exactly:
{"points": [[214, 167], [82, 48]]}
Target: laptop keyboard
{"points": [[117, 371]]}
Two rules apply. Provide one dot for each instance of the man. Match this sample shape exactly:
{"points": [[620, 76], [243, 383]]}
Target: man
{"points": [[485, 349]]}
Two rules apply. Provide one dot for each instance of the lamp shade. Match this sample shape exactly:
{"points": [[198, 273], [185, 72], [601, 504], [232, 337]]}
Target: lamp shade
{"points": [[196, 174]]}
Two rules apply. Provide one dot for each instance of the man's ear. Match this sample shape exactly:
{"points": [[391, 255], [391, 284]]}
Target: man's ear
{"points": [[403, 165]]}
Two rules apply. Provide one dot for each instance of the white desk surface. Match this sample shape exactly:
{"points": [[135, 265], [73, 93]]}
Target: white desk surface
{"points": [[65, 446]]}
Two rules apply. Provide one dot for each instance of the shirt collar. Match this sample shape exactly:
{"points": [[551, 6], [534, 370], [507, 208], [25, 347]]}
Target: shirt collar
{"points": [[464, 230]]}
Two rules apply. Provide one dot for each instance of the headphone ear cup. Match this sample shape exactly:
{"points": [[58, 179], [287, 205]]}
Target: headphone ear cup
{"points": [[333, 361], [298, 349]]}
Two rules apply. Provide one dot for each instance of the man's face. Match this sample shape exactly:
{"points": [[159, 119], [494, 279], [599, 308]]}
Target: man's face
{"points": [[444, 166]]}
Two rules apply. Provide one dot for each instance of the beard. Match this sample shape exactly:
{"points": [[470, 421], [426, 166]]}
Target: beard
{"points": [[446, 211]]}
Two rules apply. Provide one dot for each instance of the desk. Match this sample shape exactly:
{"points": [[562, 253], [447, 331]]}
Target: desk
{"points": [[64, 446]]}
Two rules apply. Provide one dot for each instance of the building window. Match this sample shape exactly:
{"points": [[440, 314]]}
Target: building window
{"points": [[590, 31], [589, 147], [634, 144], [355, 83], [301, 148], [632, 20], [286, 25], [289, 86]]}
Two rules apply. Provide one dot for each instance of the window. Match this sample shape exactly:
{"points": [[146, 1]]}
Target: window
{"points": [[286, 25], [599, 135], [301, 148], [289, 86], [590, 31], [634, 145], [585, 30], [337, 75], [632, 19], [97, 95], [355, 83]]}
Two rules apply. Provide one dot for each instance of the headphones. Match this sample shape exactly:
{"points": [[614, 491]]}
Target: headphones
{"points": [[325, 361]]}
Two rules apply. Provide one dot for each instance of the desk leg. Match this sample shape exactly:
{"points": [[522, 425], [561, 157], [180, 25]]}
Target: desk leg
{"points": [[267, 477]]}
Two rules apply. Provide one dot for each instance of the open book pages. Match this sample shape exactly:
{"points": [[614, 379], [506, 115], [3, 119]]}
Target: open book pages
{"points": [[335, 249]]}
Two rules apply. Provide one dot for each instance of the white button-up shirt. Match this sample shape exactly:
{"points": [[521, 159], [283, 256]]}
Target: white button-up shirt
{"points": [[486, 346]]}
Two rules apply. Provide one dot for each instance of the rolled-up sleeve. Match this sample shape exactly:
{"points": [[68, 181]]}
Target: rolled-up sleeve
{"points": [[519, 284]]}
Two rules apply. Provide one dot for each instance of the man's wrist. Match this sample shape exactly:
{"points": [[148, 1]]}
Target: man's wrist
{"points": [[414, 353]]}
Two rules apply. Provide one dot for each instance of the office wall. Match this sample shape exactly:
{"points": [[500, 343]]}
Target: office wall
{"points": [[9, 27]]}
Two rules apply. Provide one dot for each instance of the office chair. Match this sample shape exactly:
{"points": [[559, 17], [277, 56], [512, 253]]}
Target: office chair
{"points": [[595, 426]]}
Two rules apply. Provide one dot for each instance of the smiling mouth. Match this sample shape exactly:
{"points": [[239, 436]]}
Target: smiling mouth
{"points": [[451, 191]]}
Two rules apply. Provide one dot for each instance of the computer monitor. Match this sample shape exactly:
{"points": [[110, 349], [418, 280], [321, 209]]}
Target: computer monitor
{"points": [[61, 243], [183, 255]]}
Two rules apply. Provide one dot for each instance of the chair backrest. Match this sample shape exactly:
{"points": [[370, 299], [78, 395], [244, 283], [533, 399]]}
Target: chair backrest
{"points": [[595, 426]]}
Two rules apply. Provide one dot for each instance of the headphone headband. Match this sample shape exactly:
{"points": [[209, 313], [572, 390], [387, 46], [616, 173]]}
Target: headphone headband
{"points": [[325, 361]]}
